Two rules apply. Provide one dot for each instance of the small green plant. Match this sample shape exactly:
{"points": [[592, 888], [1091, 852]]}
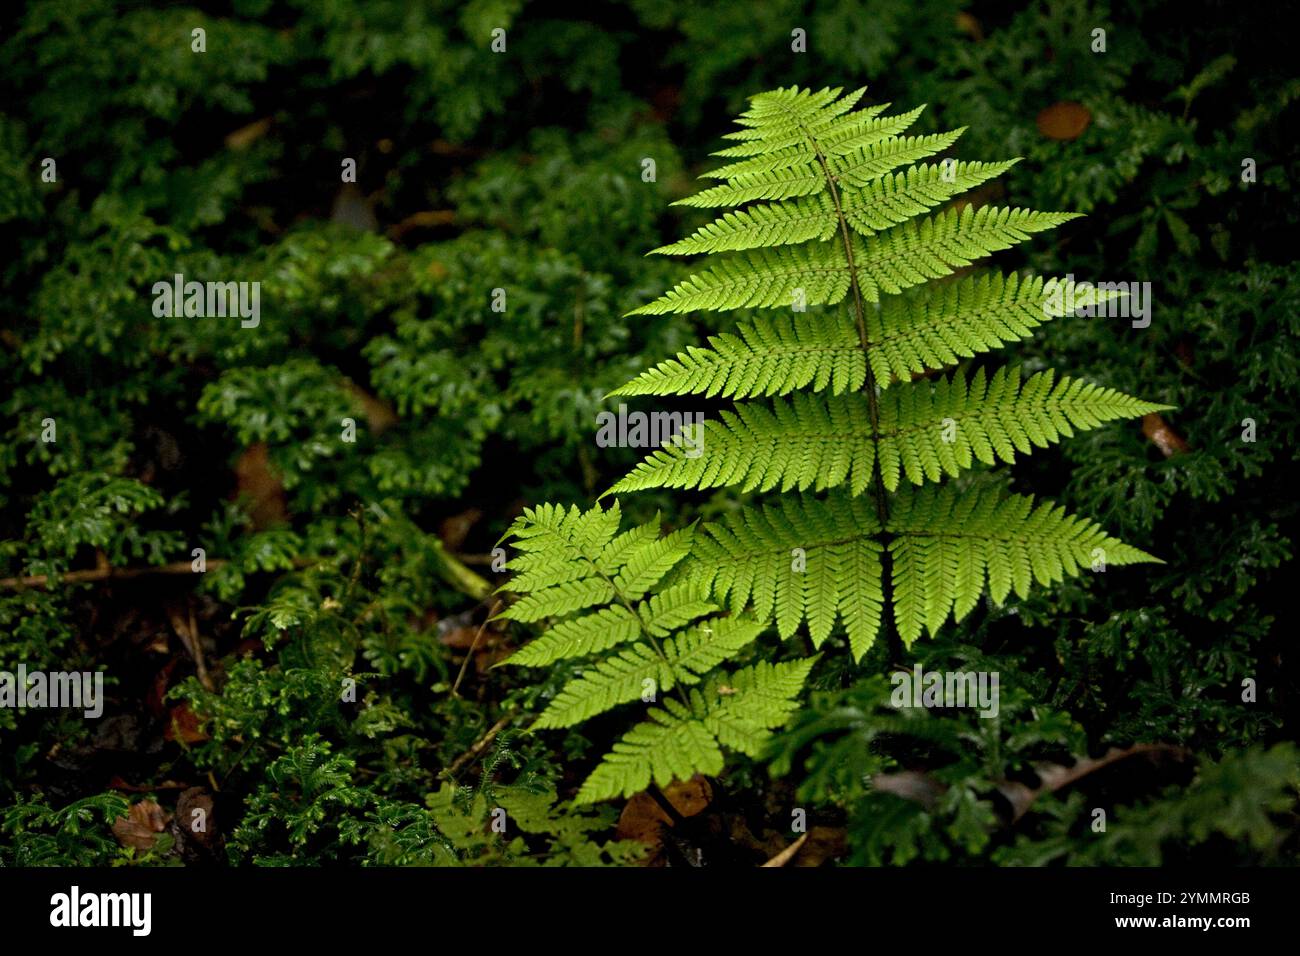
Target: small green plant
{"points": [[827, 222], [36, 834]]}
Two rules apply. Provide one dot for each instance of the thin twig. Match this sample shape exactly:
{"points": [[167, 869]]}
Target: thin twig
{"points": [[187, 629], [103, 574], [786, 855], [359, 515], [470, 654], [478, 745]]}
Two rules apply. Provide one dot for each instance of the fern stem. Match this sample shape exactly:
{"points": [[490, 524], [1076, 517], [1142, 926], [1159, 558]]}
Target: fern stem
{"points": [[641, 625], [869, 384]]}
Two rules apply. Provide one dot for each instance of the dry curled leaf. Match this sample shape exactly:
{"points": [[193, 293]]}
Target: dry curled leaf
{"points": [[140, 827], [454, 529], [968, 25], [194, 816]]}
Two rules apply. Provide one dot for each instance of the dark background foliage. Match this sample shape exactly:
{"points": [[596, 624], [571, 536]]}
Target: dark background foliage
{"points": [[523, 171]]}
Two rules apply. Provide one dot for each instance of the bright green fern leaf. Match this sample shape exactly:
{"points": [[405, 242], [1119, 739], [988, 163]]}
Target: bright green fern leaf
{"points": [[643, 628], [834, 218], [923, 433], [824, 214], [945, 544], [799, 559], [683, 738]]}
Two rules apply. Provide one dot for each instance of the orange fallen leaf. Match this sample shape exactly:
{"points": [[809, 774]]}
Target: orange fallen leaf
{"points": [[183, 726], [379, 414], [427, 219], [1064, 120], [1162, 436]]}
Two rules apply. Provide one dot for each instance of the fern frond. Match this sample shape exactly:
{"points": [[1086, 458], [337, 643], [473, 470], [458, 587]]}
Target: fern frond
{"points": [[791, 182], [949, 542], [674, 608], [753, 701], [807, 442], [923, 249], [930, 430], [647, 564], [622, 547], [940, 325], [552, 530], [804, 146], [862, 166], [615, 680], [671, 745], [850, 218], [650, 630], [890, 200], [882, 203], [560, 600], [778, 224], [924, 431], [910, 334], [772, 355], [801, 174], [678, 740], [767, 278], [819, 274], [578, 637], [799, 559], [703, 648], [780, 118]]}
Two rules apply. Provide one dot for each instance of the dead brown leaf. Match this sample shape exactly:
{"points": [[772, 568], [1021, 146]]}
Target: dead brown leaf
{"points": [[1064, 120], [183, 726], [426, 219], [968, 25], [455, 529], [140, 827], [1054, 776], [379, 414], [644, 820], [246, 136], [259, 483], [1162, 436], [194, 815]]}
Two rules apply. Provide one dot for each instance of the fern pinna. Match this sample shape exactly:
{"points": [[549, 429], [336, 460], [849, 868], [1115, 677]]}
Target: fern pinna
{"points": [[837, 416]]}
